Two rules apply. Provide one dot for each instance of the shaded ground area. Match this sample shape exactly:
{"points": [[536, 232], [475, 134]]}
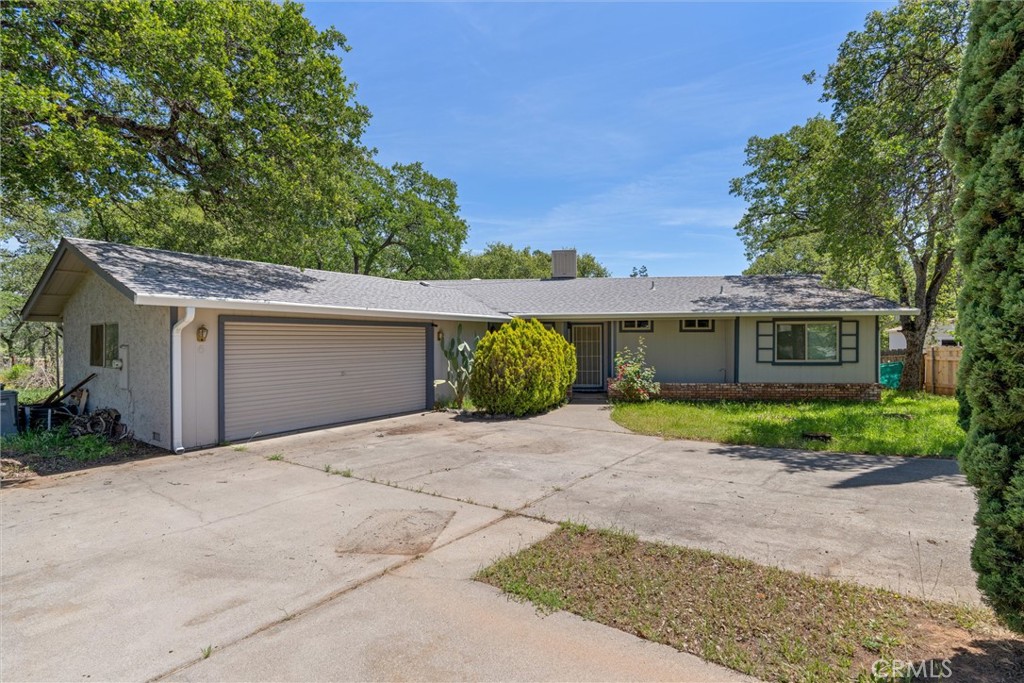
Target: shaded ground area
{"points": [[767, 622]]}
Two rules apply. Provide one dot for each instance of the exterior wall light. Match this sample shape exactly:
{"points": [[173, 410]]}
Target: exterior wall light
{"points": [[201, 333]]}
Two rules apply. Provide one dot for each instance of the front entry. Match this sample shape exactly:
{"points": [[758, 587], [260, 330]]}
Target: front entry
{"points": [[589, 365]]}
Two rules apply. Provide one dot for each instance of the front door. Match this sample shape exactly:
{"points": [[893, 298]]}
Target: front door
{"points": [[589, 368]]}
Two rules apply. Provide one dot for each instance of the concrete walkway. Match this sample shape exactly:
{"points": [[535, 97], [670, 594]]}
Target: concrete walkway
{"points": [[290, 572]]}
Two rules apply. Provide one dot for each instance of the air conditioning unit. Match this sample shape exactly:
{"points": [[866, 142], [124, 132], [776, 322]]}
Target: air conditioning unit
{"points": [[563, 264]]}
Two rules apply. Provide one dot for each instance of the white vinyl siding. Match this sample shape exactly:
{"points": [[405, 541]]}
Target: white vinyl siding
{"points": [[281, 377]]}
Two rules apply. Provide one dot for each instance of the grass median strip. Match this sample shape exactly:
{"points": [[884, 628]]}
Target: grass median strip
{"points": [[899, 424], [770, 623]]}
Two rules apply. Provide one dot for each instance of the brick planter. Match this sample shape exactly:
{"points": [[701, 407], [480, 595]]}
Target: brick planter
{"points": [[765, 392]]}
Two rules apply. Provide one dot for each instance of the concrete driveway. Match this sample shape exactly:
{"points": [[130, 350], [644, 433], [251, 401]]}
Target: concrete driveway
{"points": [[289, 572]]}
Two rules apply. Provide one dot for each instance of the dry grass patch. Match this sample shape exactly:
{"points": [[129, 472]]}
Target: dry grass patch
{"points": [[770, 623]]}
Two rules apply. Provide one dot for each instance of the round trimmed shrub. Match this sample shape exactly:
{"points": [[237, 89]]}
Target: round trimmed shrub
{"points": [[521, 368]]}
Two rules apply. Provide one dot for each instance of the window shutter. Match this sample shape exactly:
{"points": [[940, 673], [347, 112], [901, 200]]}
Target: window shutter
{"points": [[765, 341], [849, 341]]}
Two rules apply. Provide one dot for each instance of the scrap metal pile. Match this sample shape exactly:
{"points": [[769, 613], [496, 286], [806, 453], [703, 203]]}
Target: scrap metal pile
{"points": [[105, 421]]}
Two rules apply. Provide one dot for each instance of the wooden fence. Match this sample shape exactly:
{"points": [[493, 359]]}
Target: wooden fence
{"points": [[940, 368]]}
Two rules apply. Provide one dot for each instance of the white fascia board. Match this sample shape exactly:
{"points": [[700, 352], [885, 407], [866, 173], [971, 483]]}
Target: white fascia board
{"points": [[309, 309], [649, 315]]}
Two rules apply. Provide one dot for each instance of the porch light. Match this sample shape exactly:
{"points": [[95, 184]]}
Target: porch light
{"points": [[201, 333]]}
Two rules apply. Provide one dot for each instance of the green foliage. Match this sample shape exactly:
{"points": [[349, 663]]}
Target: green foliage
{"points": [[985, 140], [864, 195], [500, 261], [33, 395], [26, 242], [634, 379], [521, 369], [233, 104], [15, 374], [405, 224], [902, 423], [224, 128], [459, 355], [638, 272], [58, 443]]}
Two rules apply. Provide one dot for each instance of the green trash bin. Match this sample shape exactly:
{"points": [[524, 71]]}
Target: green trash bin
{"points": [[890, 373]]}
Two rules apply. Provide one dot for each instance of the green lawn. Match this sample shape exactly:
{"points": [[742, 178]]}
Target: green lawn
{"points": [[770, 623], [900, 424]]}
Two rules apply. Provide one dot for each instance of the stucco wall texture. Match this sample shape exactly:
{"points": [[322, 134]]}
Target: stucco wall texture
{"points": [[144, 399]]}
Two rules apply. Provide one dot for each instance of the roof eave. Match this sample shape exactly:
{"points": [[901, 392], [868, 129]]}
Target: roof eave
{"points": [[308, 309], [64, 247], [713, 314]]}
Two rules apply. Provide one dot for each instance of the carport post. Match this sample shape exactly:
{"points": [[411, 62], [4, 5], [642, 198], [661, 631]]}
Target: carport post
{"points": [[190, 314]]}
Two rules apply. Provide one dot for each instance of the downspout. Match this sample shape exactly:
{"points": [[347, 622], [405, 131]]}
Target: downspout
{"points": [[190, 315]]}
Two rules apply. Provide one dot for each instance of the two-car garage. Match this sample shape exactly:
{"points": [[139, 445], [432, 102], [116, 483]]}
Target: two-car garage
{"points": [[279, 375]]}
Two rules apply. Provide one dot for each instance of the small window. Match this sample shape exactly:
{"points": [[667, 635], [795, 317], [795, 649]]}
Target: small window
{"points": [[636, 326], [697, 325], [103, 342], [816, 342]]}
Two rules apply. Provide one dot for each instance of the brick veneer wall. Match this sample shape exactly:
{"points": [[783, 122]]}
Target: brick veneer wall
{"points": [[765, 392]]}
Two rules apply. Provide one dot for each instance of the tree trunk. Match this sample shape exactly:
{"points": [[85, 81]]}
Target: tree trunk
{"points": [[913, 363]]}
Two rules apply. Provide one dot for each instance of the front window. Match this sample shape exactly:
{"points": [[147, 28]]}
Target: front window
{"points": [[636, 326], [697, 325], [807, 341]]}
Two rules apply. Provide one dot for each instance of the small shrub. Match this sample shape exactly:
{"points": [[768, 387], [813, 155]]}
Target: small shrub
{"points": [[634, 379], [521, 369], [22, 377], [15, 374]]}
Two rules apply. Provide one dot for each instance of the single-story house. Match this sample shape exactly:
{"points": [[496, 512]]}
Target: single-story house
{"points": [[195, 350]]}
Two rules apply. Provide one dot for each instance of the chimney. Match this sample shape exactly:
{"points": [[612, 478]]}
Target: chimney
{"points": [[563, 264]]}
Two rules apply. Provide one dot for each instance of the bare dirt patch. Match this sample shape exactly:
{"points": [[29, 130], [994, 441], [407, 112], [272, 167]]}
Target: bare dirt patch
{"points": [[396, 532]]}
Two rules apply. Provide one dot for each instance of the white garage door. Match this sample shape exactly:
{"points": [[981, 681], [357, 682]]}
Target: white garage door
{"points": [[284, 376]]}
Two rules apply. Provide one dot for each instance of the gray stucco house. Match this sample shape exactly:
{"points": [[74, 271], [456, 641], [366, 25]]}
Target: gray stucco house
{"points": [[196, 350]]}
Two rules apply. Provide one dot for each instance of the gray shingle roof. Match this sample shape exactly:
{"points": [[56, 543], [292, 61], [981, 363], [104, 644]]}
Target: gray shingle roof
{"points": [[156, 277], [667, 296], [158, 273]]}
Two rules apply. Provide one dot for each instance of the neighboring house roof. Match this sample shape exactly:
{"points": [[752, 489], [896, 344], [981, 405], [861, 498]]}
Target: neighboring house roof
{"points": [[669, 296], [166, 278]]}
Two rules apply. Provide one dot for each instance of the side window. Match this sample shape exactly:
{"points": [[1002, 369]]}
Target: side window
{"points": [[96, 346], [103, 343]]}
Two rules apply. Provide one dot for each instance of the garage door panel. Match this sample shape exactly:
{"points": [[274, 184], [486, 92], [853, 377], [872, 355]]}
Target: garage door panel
{"points": [[286, 376]]}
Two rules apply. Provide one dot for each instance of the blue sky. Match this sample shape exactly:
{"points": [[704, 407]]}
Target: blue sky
{"points": [[612, 128]]}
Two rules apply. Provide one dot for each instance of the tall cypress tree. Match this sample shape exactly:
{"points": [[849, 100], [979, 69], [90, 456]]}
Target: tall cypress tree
{"points": [[985, 141]]}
